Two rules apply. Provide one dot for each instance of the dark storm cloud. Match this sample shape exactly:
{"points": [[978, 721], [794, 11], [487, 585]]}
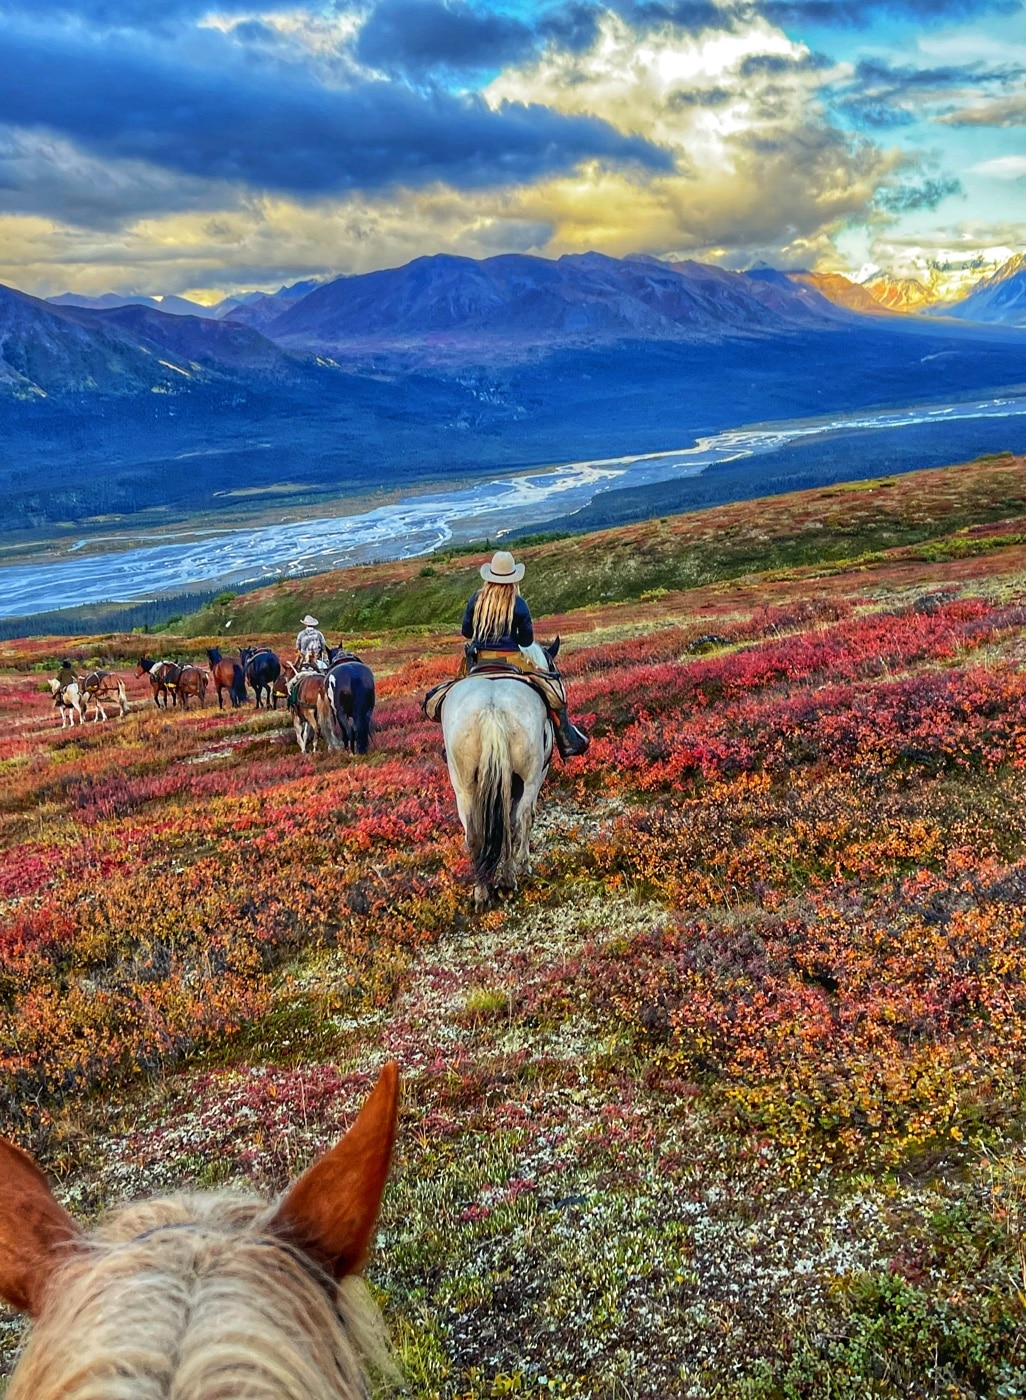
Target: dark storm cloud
{"points": [[855, 14], [131, 14], [416, 36], [275, 128], [694, 15]]}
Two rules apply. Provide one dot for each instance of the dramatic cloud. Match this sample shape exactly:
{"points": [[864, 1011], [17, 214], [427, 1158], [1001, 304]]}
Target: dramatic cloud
{"points": [[879, 95], [856, 14], [417, 36], [761, 171], [225, 144], [275, 131]]}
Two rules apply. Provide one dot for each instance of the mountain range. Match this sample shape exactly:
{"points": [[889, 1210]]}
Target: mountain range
{"points": [[572, 295], [131, 415]]}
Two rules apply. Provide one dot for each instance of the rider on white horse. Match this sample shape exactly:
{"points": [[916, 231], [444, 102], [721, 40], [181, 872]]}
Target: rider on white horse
{"points": [[311, 646], [498, 620]]}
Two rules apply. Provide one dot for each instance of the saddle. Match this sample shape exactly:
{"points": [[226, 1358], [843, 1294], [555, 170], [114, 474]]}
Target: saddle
{"points": [[499, 665], [292, 693]]}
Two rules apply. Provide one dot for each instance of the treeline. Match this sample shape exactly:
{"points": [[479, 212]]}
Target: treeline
{"points": [[152, 615]]}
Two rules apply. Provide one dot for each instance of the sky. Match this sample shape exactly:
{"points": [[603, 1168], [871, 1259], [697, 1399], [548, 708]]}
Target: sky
{"points": [[178, 146]]}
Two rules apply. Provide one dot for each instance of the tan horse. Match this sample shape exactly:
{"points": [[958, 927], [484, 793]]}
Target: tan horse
{"points": [[104, 685], [68, 699], [204, 1296], [311, 713]]}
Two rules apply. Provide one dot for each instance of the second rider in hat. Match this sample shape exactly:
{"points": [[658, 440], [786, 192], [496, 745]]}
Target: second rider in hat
{"points": [[498, 618]]}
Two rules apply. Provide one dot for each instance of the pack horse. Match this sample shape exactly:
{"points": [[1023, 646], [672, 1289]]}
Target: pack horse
{"points": [[103, 689]]}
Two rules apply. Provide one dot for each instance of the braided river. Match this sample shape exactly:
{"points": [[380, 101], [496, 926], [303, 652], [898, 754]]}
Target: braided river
{"points": [[127, 568]]}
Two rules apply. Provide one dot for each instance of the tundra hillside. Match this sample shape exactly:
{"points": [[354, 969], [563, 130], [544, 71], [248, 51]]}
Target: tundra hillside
{"points": [[728, 1102]]}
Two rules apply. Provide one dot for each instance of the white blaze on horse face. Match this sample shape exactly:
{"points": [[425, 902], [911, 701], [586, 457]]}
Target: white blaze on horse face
{"points": [[498, 744]]}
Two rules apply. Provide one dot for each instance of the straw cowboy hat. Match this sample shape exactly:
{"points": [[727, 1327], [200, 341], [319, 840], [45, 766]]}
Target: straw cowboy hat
{"points": [[309, 621], [503, 569]]}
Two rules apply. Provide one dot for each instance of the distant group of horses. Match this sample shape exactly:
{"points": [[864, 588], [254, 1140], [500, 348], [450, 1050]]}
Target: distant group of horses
{"points": [[212, 1295], [101, 689], [496, 730]]}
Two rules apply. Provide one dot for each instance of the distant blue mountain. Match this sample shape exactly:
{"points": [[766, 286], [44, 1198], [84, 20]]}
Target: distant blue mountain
{"points": [[514, 303], [170, 305], [49, 351]]}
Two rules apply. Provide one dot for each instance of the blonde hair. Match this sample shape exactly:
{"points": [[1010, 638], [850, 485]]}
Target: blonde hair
{"points": [[195, 1296], [493, 611]]}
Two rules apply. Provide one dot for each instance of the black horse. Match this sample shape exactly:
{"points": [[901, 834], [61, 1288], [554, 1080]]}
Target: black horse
{"points": [[261, 668], [350, 691], [226, 675]]}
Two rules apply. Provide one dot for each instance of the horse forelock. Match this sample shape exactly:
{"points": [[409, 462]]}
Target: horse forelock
{"points": [[193, 1297]]}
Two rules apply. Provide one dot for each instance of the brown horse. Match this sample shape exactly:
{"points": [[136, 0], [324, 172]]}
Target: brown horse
{"points": [[311, 714], [226, 675], [191, 685], [203, 1296], [163, 678], [99, 686], [281, 687]]}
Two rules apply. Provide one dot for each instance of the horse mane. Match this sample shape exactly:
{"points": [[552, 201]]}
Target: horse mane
{"points": [[194, 1295]]}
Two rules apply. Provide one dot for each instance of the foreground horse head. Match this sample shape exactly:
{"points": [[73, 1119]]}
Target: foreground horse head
{"points": [[498, 745], [202, 1297]]}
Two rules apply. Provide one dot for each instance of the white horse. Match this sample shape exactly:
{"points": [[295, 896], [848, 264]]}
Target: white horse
{"points": [[68, 699], [498, 745], [99, 686]]}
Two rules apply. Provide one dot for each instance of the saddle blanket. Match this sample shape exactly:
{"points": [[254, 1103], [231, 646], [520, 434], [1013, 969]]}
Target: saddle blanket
{"points": [[292, 696], [548, 684]]}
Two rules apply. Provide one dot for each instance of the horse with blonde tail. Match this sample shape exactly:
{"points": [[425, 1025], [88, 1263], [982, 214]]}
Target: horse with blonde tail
{"points": [[204, 1296], [498, 746], [104, 688]]}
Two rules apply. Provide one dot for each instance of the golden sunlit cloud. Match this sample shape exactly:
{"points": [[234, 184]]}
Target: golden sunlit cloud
{"points": [[759, 171]]}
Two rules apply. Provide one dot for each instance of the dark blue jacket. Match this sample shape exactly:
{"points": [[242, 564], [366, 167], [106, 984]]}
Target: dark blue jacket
{"points": [[521, 634]]}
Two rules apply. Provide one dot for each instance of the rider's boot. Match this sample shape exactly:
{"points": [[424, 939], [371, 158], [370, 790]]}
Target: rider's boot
{"points": [[570, 741]]}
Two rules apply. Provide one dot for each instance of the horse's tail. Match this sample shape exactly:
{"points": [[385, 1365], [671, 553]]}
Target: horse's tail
{"points": [[325, 712], [238, 690], [327, 717], [489, 825]]}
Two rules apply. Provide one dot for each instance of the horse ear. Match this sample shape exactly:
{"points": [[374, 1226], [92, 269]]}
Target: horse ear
{"points": [[34, 1230], [554, 648], [330, 1212]]}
